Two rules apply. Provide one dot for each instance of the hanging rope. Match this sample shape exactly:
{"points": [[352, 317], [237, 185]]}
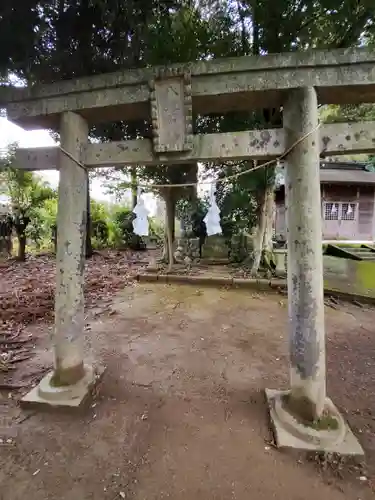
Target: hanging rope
{"points": [[217, 181], [193, 184], [71, 157]]}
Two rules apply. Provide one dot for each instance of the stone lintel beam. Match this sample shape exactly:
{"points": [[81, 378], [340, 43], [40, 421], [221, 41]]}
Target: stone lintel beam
{"points": [[96, 106], [339, 76], [335, 139], [344, 138], [8, 94], [258, 144], [33, 159]]}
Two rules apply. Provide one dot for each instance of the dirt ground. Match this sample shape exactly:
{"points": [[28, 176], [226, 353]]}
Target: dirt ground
{"points": [[181, 412]]}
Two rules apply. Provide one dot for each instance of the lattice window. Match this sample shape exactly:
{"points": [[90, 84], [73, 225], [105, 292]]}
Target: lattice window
{"points": [[348, 211], [331, 211]]}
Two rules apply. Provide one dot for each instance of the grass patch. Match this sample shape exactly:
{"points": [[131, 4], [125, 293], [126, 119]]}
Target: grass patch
{"points": [[302, 409]]}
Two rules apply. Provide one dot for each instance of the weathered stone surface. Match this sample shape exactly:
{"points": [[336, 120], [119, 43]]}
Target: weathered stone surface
{"points": [[305, 262], [241, 247], [199, 280], [72, 397], [70, 257], [281, 261], [149, 277], [47, 158], [357, 277], [339, 138], [300, 437], [187, 248], [336, 139], [215, 247], [96, 105], [306, 59], [171, 113], [339, 76]]}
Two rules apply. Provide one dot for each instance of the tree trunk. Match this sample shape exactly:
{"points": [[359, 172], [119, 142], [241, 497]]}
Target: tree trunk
{"points": [[21, 247], [255, 26], [54, 239], [172, 218], [170, 209], [21, 222], [270, 208], [267, 250], [259, 236], [244, 34], [89, 250], [134, 184]]}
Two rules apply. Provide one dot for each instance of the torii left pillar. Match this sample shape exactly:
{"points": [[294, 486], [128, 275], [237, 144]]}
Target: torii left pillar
{"points": [[71, 380]]}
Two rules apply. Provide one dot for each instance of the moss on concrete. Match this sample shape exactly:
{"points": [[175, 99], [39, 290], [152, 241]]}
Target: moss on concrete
{"points": [[366, 276], [67, 376], [303, 410]]}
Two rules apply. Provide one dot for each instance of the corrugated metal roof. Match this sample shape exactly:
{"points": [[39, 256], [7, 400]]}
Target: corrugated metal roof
{"points": [[339, 172], [347, 176], [343, 165]]}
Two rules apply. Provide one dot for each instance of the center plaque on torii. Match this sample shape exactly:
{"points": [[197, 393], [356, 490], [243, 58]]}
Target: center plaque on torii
{"points": [[171, 111]]}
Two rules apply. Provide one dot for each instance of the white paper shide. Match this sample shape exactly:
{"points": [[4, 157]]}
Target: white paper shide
{"points": [[212, 219], [140, 223]]}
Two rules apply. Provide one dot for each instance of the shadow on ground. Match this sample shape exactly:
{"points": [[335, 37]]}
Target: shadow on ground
{"points": [[181, 413]]}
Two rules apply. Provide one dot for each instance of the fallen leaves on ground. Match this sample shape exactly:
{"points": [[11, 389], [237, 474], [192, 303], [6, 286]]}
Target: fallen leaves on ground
{"points": [[27, 289], [27, 294]]}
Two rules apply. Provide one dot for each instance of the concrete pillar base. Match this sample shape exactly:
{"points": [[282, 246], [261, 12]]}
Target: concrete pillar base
{"points": [[70, 396], [289, 433], [281, 265]]}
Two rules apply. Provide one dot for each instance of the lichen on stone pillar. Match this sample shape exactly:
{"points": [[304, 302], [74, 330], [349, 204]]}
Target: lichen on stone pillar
{"points": [[70, 258], [305, 262]]}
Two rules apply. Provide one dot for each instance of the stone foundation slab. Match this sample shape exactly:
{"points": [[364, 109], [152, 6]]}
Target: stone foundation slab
{"points": [[348, 445], [77, 396]]}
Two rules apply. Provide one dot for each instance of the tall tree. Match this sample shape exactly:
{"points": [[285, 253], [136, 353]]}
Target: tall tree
{"points": [[27, 193], [70, 38]]}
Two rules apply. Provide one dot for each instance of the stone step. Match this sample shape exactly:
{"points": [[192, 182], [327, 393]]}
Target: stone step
{"points": [[357, 250], [365, 254]]}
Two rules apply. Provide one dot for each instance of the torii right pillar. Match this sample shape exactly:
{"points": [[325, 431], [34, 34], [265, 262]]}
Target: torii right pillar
{"points": [[304, 417]]}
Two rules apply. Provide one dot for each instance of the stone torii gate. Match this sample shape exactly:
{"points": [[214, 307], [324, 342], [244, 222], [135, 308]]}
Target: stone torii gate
{"points": [[167, 97]]}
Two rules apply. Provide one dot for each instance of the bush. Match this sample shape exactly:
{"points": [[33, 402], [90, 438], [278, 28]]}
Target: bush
{"points": [[156, 232], [123, 219], [100, 233]]}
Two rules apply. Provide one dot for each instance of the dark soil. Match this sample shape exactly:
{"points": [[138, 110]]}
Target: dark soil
{"points": [[181, 412]]}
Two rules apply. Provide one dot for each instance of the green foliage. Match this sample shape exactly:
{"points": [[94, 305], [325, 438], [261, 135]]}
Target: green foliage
{"points": [[371, 163], [335, 113], [98, 210], [156, 232], [240, 199], [27, 193], [43, 41], [191, 212], [49, 212], [124, 234], [99, 224]]}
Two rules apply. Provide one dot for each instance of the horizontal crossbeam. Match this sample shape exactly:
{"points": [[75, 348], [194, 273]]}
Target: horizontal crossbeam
{"points": [[335, 139], [218, 86]]}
